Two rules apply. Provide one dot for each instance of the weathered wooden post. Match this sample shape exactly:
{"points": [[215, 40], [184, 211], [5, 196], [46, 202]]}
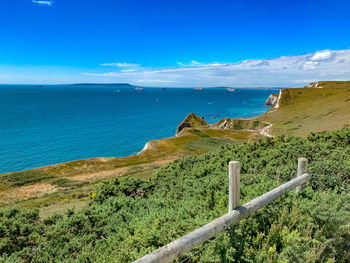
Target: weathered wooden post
{"points": [[302, 169], [234, 180]]}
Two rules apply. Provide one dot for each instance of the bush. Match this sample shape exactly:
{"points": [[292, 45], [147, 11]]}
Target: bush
{"points": [[128, 218]]}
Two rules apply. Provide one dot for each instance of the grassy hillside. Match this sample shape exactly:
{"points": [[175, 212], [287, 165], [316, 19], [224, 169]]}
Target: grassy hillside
{"points": [[308, 110], [331, 84], [57, 187], [193, 121], [129, 217]]}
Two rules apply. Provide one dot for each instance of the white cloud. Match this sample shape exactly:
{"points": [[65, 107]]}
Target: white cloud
{"points": [[156, 81], [321, 55], [41, 2], [120, 65], [310, 65], [289, 71], [193, 62]]}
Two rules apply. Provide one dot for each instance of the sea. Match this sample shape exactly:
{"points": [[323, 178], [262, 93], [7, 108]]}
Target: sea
{"points": [[43, 125]]}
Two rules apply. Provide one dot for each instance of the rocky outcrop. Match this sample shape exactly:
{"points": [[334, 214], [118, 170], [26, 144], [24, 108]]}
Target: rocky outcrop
{"points": [[192, 121], [223, 124], [148, 146], [239, 124], [315, 85], [266, 130], [272, 100]]}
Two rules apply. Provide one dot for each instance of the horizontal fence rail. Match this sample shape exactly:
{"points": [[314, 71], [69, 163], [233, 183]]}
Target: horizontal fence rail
{"points": [[184, 244]]}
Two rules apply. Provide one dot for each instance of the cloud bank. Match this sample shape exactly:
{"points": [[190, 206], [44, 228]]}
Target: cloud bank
{"points": [[49, 3], [285, 71], [120, 65]]}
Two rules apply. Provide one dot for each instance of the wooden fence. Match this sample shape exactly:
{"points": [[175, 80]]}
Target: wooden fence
{"points": [[236, 213]]}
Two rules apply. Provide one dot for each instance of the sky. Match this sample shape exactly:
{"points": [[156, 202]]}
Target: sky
{"points": [[239, 43]]}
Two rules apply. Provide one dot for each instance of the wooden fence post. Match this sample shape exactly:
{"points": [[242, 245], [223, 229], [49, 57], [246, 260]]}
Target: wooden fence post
{"points": [[302, 169], [234, 180]]}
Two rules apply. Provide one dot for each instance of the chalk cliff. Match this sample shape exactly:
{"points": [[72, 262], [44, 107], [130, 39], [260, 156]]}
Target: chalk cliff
{"points": [[272, 100]]}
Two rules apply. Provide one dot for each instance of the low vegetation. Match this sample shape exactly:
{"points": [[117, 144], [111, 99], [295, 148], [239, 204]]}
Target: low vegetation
{"points": [[130, 217], [25, 177]]}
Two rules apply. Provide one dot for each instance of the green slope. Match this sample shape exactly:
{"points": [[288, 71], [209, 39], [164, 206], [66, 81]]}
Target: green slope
{"points": [[129, 217], [308, 110]]}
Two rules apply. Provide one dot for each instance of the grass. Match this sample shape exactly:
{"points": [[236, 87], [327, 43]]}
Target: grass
{"points": [[66, 183], [192, 120], [334, 84], [60, 208], [308, 110], [208, 144], [26, 177]]}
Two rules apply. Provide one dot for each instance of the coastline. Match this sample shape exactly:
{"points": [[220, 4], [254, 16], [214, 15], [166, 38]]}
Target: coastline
{"points": [[76, 132], [148, 145], [83, 174], [263, 131], [298, 112]]}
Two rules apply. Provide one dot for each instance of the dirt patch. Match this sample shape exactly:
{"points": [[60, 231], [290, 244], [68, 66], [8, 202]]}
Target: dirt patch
{"points": [[93, 177], [100, 175], [26, 192]]}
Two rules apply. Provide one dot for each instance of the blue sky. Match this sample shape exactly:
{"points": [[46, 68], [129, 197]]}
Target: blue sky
{"points": [[65, 41]]}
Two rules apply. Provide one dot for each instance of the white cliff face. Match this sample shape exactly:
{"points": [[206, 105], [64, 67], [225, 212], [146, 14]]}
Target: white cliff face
{"points": [[148, 146], [314, 85], [273, 100]]}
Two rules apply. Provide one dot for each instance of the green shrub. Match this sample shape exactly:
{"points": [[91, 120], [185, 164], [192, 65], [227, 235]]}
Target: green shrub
{"points": [[130, 217]]}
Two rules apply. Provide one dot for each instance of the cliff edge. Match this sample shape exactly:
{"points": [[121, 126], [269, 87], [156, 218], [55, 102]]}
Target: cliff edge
{"points": [[192, 121]]}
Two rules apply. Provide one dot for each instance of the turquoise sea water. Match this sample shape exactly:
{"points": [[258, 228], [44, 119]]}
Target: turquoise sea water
{"points": [[52, 124]]}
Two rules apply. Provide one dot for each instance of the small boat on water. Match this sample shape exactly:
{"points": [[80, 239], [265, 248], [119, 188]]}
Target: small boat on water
{"points": [[162, 88], [139, 89], [231, 89], [198, 89]]}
